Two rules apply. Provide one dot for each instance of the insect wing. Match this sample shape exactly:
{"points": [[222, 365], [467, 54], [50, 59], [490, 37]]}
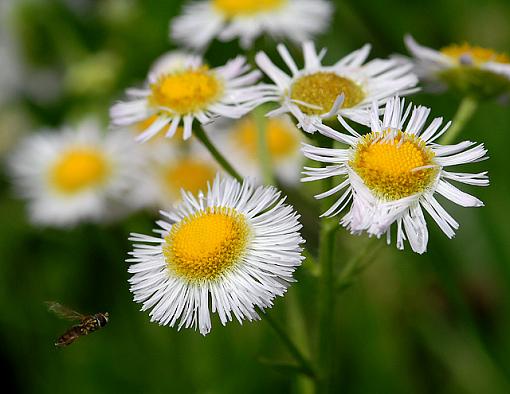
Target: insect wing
{"points": [[63, 311]]}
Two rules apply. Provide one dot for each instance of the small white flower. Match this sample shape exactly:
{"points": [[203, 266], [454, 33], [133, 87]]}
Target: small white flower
{"points": [[75, 175], [469, 69], [180, 88], [229, 251], [238, 140], [296, 20], [393, 172], [347, 88]]}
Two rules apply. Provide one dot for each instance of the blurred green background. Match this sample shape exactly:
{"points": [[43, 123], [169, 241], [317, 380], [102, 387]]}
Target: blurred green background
{"points": [[411, 324]]}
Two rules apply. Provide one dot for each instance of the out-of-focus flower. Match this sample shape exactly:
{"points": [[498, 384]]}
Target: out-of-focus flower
{"points": [[14, 121], [393, 172], [238, 140], [76, 175], [466, 69], [296, 20], [180, 88], [316, 92], [232, 249], [171, 166]]}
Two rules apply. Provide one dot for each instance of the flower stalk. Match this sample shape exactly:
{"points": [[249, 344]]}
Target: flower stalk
{"points": [[326, 306], [305, 365], [204, 139], [465, 112], [264, 155]]}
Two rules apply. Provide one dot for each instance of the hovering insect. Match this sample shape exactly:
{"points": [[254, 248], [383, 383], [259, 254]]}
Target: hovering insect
{"points": [[88, 323]]}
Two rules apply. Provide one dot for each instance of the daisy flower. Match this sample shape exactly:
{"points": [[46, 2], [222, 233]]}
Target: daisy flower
{"points": [[393, 173], [228, 251], [467, 69], [172, 167], [180, 88], [347, 88], [239, 141], [296, 20], [75, 175]]}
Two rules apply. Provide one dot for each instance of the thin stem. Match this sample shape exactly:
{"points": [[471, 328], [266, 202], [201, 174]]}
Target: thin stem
{"points": [[204, 139], [266, 167], [305, 365], [358, 263], [326, 306], [466, 110]]}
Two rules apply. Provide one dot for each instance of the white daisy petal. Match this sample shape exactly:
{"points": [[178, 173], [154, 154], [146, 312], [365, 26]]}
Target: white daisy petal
{"points": [[297, 20], [469, 70], [180, 87], [317, 92], [77, 174], [393, 172], [231, 252]]}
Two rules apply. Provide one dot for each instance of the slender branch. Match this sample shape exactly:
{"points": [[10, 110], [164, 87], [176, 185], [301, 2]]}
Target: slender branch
{"points": [[264, 155], [327, 305], [466, 110], [204, 139], [305, 365], [358, 263]]}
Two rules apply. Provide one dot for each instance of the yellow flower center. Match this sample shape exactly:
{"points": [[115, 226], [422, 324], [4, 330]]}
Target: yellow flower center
{"points": [[79, 169], [186, 91], [189, 174], [231, 8], [321, 89], [471, 55], [394, 164], [207, 244], [282, 140]]}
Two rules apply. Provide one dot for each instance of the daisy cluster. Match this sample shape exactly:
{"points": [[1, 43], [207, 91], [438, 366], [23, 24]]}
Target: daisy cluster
{"points": [[230, 246]]}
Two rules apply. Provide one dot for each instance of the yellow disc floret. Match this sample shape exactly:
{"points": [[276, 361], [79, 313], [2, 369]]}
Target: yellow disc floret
{"points": [[473, 55], [187, 91], [393, 164], [189, 174], [231, 8], [79, 169], [281, 138], [321, 89], [207, 244]]}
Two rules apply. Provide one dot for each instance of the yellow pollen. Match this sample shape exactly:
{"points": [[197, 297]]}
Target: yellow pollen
{"points": [[474, 54], [189, 174], [282, 141], [79, 169], [187, 91], [394, 165], [232, 8], [207, 244], [321, 89]]}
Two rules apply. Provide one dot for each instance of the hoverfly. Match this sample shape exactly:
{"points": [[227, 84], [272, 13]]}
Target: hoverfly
{"points": [[88, 323]]}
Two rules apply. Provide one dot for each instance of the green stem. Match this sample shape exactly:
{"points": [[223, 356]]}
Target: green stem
{"points": [[305, 365], [358, 263], [266, 168], [326, 306], [204, 139], [466, 110]]}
